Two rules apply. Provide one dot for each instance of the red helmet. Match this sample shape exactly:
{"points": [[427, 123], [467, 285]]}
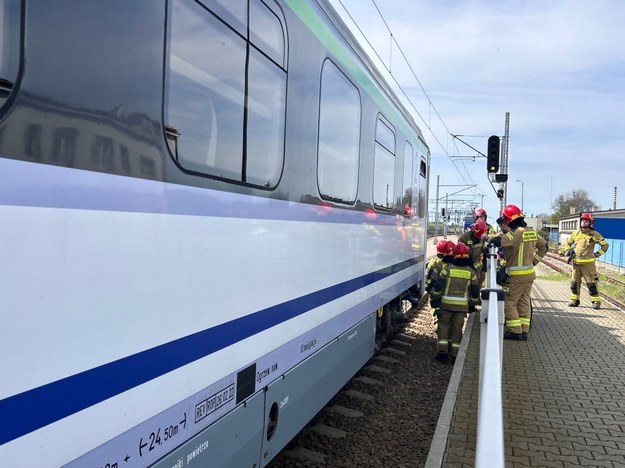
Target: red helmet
{"points": [[480, 212], [479, 228], [440, 247], [449, 248], [461, 251], [588, 217], [511, 212]]}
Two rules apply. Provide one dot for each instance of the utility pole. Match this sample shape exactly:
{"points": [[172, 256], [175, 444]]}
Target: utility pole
{"points": [[504, 163], [438, 180]]}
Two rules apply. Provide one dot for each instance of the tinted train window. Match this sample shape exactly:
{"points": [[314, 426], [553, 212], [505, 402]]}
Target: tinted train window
{"points": [[339, 136], [266, 32], [407, 185], [234, 13], [212, 125], [265, 121], [422, 185], [384, 165], [9, 46]]}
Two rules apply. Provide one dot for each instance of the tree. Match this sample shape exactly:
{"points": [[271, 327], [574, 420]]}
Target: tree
{"points": [[576, 201]]}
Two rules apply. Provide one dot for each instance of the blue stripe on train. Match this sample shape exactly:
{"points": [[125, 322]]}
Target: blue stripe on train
{"points": [[36, 408]]}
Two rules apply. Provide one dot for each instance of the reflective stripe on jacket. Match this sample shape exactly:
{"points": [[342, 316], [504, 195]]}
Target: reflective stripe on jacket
{"points": [[460, 283], [585, 240], [522, 249]]}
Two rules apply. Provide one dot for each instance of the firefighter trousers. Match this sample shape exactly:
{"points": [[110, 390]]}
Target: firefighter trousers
{"points": [[588, 271], [449, 331], [517, 306]]}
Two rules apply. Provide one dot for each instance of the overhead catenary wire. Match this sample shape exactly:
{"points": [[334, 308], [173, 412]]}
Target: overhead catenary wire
{"points": [[464, 172]]}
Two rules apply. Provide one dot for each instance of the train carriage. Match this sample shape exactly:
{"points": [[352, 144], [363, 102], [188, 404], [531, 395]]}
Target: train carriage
{"points": [[203, 206]]}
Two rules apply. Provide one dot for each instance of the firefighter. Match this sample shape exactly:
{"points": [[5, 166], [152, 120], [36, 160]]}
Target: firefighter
{"points": [[454, 293], [473, 238], [434, 271], [581, 248], [444, 255], [440, 252], [523, 248], [480, 215]]}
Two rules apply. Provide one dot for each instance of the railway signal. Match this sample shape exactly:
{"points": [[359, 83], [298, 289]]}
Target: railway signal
{"points": [[492, 154]]}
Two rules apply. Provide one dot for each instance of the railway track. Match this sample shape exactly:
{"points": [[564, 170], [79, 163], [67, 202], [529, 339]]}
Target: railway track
{"points": [[560, 265]]}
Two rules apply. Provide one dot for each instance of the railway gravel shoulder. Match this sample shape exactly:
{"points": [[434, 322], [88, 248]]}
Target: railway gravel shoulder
{"points": [[387, 414]]}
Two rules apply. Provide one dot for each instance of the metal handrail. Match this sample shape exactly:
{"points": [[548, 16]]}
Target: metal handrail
{"points": [[489, 452]]}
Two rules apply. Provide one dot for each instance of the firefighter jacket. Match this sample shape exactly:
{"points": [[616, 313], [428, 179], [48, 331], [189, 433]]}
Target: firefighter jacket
{"points": [[476, 247], [583, 243], [430, 271], [522, 249], [434, 271], [456, 289]]}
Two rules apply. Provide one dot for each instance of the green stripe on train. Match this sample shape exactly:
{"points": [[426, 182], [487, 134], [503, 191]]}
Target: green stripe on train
{"points": [[312, 20]]}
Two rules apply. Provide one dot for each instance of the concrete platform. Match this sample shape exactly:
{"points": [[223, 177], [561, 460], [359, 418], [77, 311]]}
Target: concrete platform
{"points": [[564, 388]]}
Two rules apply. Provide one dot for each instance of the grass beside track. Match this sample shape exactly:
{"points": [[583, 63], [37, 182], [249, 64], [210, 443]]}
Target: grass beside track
{"points": [[611, 283]]}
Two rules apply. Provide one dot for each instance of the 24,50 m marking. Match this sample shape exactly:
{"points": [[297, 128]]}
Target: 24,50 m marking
{"points": [[157, 438]]}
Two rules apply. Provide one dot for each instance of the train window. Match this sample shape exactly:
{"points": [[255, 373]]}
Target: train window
{"points": [[208, 113], [9, 46], [407, 185], [384, 165], [265, 122], [423, 169], [234, 13], [266, 32], [339, 136], [423, 184]]}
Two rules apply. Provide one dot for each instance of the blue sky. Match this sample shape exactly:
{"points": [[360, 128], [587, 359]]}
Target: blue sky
{"points": [[558, 68]]}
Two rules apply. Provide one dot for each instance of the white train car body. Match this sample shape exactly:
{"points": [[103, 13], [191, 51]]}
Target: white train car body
{"points": [[156, 312]]}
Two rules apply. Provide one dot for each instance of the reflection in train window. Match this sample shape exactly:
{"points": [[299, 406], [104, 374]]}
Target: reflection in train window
{"points": [[9, 46], [384, 165], [422, 185], [266, 32], [211, 125], [339, 136], [407, 182]]}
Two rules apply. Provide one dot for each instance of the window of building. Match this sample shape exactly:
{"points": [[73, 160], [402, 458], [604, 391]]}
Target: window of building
{"points": [[384, 165], [102, 152], [225, 101], [339, 136], [64, 145]]}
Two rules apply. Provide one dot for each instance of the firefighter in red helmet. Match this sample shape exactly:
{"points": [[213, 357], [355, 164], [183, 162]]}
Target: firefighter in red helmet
{"points": [[581, 251], [473, 238], [480, 215], [523, 248], [454, 293], [444, 255], [443, 259]]}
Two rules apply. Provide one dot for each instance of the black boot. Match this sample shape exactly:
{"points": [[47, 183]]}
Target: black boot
{"points": [[513, 336], [573, 303], [442, 357]]}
